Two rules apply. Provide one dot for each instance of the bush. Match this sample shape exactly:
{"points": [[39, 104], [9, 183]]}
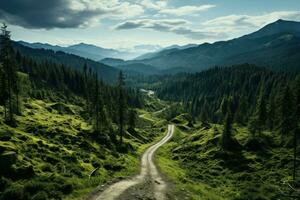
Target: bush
{"points": [[15, 192], [24, 172], [33, 187], [3, 183], [66, 188], [40, 196]]}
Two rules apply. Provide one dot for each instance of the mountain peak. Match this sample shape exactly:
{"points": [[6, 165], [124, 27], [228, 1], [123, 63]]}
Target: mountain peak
{"points": [[279, 26], [281, 21]]}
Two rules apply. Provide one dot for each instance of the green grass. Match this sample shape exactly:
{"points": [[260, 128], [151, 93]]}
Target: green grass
{"points": [[55, 144], [199, 169]]}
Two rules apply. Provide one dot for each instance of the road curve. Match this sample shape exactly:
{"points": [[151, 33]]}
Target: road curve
{"points": [[148, 170]]}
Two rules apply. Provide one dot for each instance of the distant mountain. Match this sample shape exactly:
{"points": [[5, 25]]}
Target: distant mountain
{"points": [[138, 68], [156, 53], [130, 67], [39, 45], [276, 46], [180, 47], [105, 72], [84, 50], [113, 61]]}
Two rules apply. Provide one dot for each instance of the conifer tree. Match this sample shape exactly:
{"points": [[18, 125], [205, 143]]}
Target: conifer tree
{"points": [[287, 112], [132, 116], [226, 135], [121, 105], [261, 112], [259, 118], [96, 104], [9, 75], [271, 113]]}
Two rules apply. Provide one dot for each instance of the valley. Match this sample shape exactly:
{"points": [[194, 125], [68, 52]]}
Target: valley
{"points": [[193, 121]]}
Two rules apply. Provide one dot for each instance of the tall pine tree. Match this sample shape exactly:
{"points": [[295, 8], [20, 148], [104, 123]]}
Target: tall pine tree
{"points": [[9, 77], [121, 106]]}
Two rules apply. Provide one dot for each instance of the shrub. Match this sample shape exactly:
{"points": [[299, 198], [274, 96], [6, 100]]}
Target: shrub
{"points": [[40, 196], [66, 188], [15, 192], [3, 183], [33, 187]]}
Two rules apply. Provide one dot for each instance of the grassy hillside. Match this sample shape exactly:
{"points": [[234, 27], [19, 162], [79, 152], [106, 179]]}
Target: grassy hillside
{"points": [[260, 168], [52, 152]]}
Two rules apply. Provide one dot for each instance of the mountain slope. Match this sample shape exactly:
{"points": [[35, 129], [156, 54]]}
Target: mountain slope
{"points": [[74, 51], [105, 72], [261, 47], [131, 67], [166, 49], [83, 50]]}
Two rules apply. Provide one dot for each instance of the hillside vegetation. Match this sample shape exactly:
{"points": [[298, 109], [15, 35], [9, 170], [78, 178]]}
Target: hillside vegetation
{"points": [[53, 150], [63, 131], [195, 161]]}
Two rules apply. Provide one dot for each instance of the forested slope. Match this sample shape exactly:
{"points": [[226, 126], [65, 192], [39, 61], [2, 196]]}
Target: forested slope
{"points": [[106, 73], [62, 130]]}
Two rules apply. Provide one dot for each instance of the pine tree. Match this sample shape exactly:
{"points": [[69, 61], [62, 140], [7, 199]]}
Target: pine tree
{"points": [[121, 105], [271, 113], [9, 76], [96, 104], [226, 135], [259, 118], [287, 112], [242, 111], [132, 116], [261, 112]]}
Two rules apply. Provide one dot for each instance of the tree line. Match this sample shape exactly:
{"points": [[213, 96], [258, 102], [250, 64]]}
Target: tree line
{"points": [[103, 104], [246, 95]]}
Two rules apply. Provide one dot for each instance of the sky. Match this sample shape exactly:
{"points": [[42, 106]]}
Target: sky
{"points": [[140, 25]]}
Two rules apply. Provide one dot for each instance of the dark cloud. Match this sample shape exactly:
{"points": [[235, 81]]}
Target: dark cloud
{"points": [[50, 14]]}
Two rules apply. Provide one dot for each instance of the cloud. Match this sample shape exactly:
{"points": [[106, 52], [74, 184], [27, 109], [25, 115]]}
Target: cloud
{"points": [[64, 13], [236, 23], [158, 5], [150, 23], [177, 26], [187, 10]]}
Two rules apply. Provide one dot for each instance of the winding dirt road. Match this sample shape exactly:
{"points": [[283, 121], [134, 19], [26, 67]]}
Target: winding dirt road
{"points": [[149, 175]]}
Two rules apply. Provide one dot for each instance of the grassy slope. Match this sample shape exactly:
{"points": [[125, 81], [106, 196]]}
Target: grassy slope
{"points": [[194, 161], [54, 148]]}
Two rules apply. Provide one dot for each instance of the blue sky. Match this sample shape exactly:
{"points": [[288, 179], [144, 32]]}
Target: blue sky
{"points": [[128, 24]]}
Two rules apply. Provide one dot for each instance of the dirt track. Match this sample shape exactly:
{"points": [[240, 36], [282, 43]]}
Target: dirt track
{"points": [[147, 185]]}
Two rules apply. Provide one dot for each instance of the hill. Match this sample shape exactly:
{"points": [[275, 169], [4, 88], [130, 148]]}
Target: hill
{"points": [[236, 135], [276, 45], [61, 140], [105, 72]]}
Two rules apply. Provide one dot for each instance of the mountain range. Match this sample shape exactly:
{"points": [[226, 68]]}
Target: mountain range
{"points": [[277, 46], [43, 55], [84, 50]]}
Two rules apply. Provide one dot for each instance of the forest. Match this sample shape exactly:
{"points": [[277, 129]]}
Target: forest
{"points": [[43, 104], [155, 127]]}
